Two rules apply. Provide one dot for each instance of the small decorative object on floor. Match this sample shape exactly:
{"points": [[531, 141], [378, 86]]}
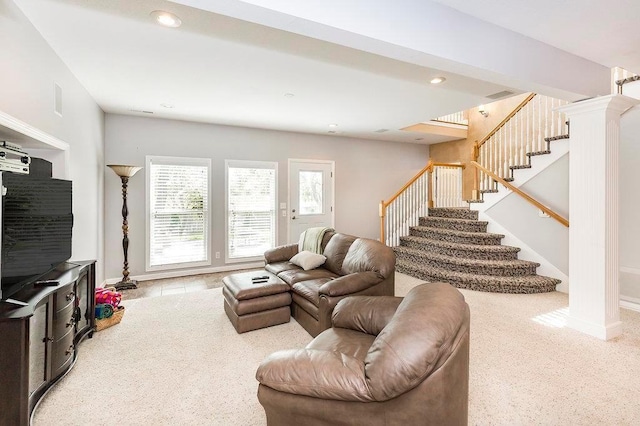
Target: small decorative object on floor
{"points": [[108, 309], [125, 172]]}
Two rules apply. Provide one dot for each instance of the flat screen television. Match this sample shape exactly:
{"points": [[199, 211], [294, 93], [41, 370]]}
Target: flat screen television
{"points": [[37, 222]]}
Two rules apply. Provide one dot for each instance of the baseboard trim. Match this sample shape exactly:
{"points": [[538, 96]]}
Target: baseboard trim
{"points": [[628, 270], [189, 272], [602, 332], [630, 303]]}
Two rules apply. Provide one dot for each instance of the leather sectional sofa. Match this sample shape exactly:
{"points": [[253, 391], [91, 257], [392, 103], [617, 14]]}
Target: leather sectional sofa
{"points": [[386, 361], [354, 266]]}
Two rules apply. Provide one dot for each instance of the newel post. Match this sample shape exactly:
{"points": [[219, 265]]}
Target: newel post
{"points": [[594, 305]]}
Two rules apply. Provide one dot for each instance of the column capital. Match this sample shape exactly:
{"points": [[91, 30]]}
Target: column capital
{"points": [[618, 103]]}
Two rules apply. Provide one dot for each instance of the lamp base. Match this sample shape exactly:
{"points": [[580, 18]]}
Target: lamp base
{"points": [[126, 285]]}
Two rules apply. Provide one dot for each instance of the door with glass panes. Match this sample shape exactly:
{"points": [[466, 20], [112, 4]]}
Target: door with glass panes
{"points": [[311, 200]]}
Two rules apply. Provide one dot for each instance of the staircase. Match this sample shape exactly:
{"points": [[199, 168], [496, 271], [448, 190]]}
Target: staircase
{"points": [[452, 245]]}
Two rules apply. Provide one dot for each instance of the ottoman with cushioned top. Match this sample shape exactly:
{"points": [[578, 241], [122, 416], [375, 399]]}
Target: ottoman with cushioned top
{"points": [[251, 306]]}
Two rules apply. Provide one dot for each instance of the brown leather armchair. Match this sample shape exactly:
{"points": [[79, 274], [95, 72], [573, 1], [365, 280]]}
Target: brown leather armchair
{"points": [[354, 266], [386, 361]]}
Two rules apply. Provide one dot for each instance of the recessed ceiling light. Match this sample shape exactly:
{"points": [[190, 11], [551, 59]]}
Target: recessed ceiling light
{"points": [[166, 105], [289, 95], [167, 19], [333, 125], [437, 80]]}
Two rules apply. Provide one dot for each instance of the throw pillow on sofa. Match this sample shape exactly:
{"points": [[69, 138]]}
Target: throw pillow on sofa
{"points": [[307, 260]]}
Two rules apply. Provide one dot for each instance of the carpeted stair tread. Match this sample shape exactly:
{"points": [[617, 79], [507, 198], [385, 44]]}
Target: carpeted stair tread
{"points": [[534, 153], [481, 238], [556, 138], [505, 268], [520, 167], [489, 191], [478, 200], [469, 251], [523, 284], [453, 212], [467, 225]]}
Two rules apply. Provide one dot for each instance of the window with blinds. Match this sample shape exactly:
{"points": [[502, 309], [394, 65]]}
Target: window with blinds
{"points": [[251, 209], [178, 212]]}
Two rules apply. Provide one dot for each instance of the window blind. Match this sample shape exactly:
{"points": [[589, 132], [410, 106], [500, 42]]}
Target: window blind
{"points": [[251, 214], [179, 213]]}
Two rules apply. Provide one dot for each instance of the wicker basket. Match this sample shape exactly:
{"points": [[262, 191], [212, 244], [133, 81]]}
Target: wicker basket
{"points": [[114, 319]]}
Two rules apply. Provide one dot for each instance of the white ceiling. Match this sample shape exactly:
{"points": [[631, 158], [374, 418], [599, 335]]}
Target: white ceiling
{"points": [[606, 32], [220, 69]]}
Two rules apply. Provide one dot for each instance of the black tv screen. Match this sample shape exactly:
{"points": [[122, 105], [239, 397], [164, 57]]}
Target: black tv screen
{"points": [[37, 222]]}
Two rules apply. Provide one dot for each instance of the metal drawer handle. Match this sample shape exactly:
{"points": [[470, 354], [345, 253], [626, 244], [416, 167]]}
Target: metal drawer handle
{"points": [[71, 322], [70, 296]]}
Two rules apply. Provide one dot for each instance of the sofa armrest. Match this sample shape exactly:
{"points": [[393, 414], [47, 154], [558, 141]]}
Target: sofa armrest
{"points": [[315, 373], [349, 284], [280, 254], [368, 314]]}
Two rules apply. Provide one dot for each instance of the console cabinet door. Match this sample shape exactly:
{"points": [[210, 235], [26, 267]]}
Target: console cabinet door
{"points": [[39, 344], [83, 305]]}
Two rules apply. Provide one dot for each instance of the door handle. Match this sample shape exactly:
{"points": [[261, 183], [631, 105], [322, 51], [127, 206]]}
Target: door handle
{"points": [[293, 218]]}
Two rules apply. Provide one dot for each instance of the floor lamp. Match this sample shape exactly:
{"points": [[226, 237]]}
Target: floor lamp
{"points": [[125, 172]]}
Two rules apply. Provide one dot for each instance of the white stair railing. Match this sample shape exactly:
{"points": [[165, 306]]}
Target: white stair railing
{"points": [[522, 132], [412, 201], [446, 187]]}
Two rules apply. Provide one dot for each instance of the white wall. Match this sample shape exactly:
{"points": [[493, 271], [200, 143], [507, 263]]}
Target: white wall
{"points": [[630, 204], [366, 173], [28, 70], [545, 236]]}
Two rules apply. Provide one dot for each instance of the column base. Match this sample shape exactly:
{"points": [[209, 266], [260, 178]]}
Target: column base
{"points": [[126, 285], [602, 332]]}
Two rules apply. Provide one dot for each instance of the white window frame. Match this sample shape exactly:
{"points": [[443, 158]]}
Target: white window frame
{"points": [[246, 164], [178, 161]]}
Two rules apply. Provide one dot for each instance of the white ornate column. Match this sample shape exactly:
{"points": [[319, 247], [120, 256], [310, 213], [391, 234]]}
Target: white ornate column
{"points": [[593, 214]]}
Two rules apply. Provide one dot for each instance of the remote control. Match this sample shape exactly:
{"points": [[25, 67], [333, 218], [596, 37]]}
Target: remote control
{"points": [[47, 283]]}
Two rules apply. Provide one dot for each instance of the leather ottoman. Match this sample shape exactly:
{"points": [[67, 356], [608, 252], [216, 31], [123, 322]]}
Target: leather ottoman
{"points": [[251, 305]]}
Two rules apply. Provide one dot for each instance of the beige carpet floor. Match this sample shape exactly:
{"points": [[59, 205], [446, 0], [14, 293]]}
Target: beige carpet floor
{"points": [[177, 360]]}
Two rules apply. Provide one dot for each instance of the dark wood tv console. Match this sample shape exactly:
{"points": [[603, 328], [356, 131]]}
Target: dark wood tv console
{"points": [[38, 342]]}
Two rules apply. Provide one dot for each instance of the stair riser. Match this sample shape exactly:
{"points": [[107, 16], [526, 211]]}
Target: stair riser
{"points": [[467, 254], [435, 222], [454, 213], [487, 287], [511, 271], [480, 239]]}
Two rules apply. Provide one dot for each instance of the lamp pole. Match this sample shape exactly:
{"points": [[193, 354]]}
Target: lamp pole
{"points": [[125, 172]]}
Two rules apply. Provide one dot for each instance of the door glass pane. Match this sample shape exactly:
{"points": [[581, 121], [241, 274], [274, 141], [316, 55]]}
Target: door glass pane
{"points": [[311, 192], [37, 348]]}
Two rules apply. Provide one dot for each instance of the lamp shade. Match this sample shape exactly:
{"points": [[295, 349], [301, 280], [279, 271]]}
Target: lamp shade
{"points": [[123, 170]]}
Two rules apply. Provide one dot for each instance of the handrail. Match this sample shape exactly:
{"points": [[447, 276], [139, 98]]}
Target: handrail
{"points": [[384, 204], [507, 118], [524, 195], [428, 168]]}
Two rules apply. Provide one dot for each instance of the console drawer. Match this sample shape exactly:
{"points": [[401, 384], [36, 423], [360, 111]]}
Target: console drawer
{"points": [[64, 297], [64, 320], [62, 353]]}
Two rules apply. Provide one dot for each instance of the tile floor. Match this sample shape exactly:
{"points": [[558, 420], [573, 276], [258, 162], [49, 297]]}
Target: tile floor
{"points": [[179, 285]]}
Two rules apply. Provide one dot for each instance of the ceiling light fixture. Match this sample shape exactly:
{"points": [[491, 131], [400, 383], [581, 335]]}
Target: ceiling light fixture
{"points": [[333, 125], [482, 111], [437, 80], [166, 105], [289, 95], [166, 19]]}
